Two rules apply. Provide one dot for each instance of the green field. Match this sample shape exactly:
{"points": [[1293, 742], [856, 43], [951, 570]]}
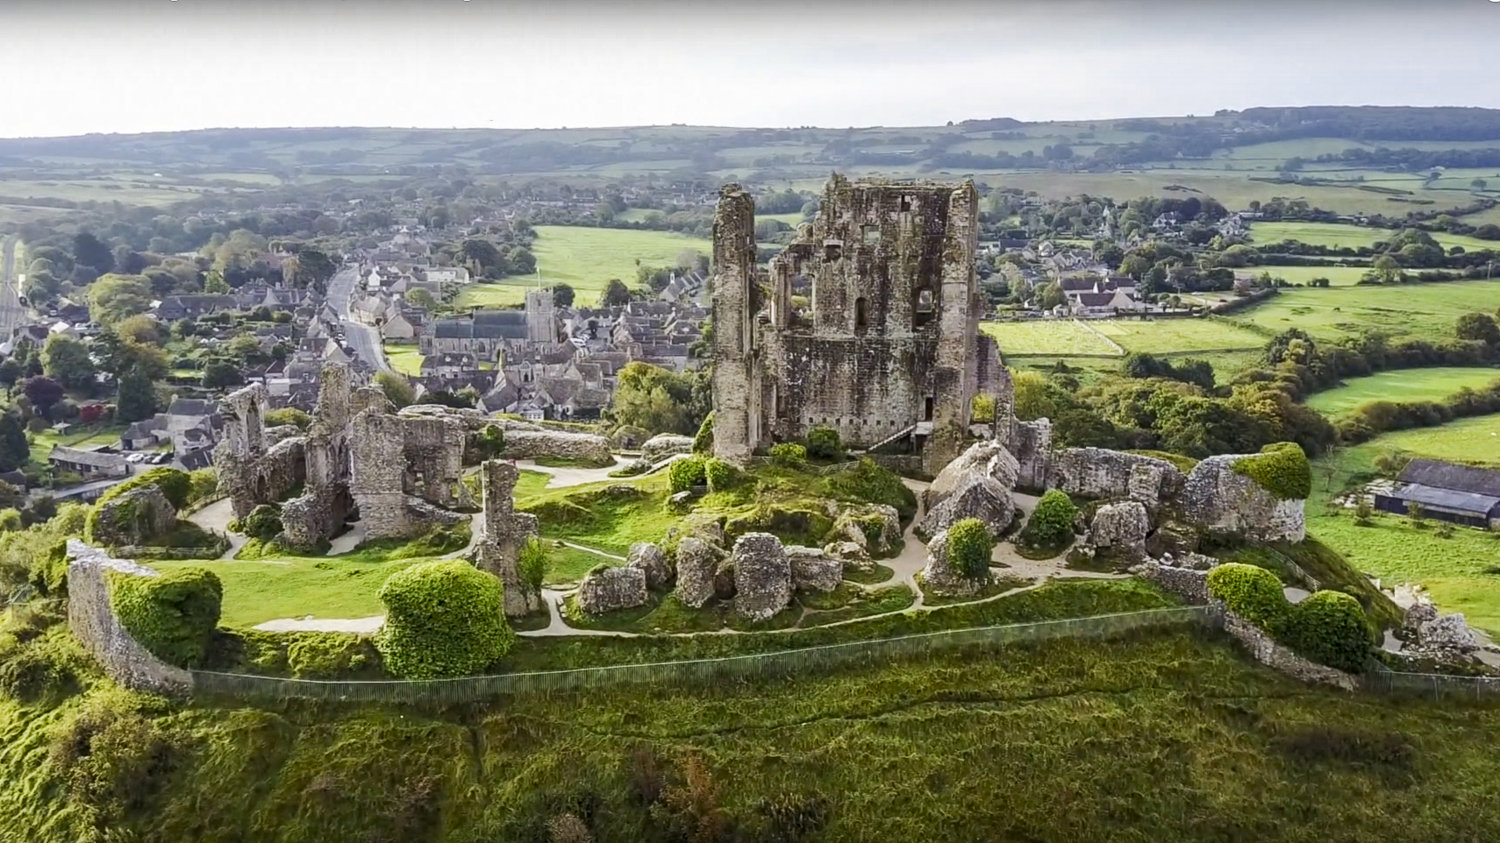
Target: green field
{"points": [[1053, 337], [1338, 276], [586, 259], [1169, 336], [256, 591], [1424, 310], [1428, 384], [1462, 572], [405, 359], [1340, 235], [79, 436]]}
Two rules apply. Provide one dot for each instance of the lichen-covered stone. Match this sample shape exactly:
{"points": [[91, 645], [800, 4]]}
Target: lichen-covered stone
{"points": [[940, 575], [1447, 633], [812, 570], [530, 444], [876, 527], [1417, 614], [650, 559], [1219, 499], [1121, 527], [664, 445], [762, 576], [988, 459], [977, 496], [505, 532], [134, 517], [611, 589], [697, 562], [1033, 449], [854, 556]]}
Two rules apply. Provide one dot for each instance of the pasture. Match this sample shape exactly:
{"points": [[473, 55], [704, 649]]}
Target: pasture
{"points": [[1427, 384], [1174, 336], [1462, 572], [1052, 337], [1340, 235], [1425, 310], [405, 359], [1338, 276], [585, 259]]}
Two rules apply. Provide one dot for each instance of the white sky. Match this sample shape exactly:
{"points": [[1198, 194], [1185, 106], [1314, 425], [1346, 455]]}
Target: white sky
{"points": [[76, 66]]}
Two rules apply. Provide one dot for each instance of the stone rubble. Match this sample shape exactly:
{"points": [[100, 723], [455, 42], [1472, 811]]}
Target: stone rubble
{"points": [[762, 576], [609, 589]]}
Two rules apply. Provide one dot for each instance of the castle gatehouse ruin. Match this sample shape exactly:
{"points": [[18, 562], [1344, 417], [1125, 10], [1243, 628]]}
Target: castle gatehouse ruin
{"points": [[867, 323]]}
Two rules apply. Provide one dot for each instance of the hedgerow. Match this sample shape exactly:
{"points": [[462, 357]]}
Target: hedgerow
{"points": [[443, 618], [326, 655], [1329, 627], [1280, 468], [687, 473], [172, 615]]}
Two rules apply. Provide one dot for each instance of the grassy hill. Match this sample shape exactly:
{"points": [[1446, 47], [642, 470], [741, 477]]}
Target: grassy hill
{"points": [[1160, 737]]}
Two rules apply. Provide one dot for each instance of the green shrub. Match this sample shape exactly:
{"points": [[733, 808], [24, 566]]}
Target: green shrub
{"points": [[788, 455], [263, 522], [326, 655], [114, 756], [687, 473], [10, 520], [45, 667], [174, 482], [969, 548], [487, 443], [719, 474], [1330, 628], [1252, 593], [867, 482], [172, 615], [1051, 523], [703, 443], [202, 483], [289, 415], [532, 563], [823, 443], [1281, 469], [443, 618]]}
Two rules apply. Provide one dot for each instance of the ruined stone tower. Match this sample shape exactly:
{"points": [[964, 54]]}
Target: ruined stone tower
{"points": [[866, 323]]}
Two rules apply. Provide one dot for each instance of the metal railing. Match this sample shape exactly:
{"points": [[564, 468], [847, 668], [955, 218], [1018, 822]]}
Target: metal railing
{"points": [[1436, 686], [807, 661]]}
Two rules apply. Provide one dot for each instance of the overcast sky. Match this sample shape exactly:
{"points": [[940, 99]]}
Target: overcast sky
{"points": [[76, 66]]}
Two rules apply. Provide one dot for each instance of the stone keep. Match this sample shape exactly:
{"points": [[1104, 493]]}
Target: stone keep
{"points": [[1219, 499], [505, 532], [887, 352], [762, 576], [325, 504], [252, 469]]}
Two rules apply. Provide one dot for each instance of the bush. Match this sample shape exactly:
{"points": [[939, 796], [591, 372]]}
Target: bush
{"points": [[488, 442], [1051, 523], [719, 474], [532, 563], [114, 757], [1281, 469], [703, 443], [1330, 628], [288, 415], [969, 548], [444, 618], [867, 482], [46, 667], [172, 615], [687, 473], [202, 483], [263, 522], [326, 655], [788, 455], [823, 443], [1250, 592]]}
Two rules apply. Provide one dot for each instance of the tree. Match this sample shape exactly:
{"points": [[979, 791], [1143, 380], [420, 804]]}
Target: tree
{"points": [[562, 295], [42, 392], [312, 269], [1414, 512], [660, 401], [14, 449], [214, 283], [396, 388], [421, 297], [90, 251], [136, 398], [615, 293], [114, 297], [221, 373], [67, 361], [1478, 326]]}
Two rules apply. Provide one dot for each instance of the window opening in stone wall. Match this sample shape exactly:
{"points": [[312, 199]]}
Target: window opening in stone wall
{"points": [[927, 411], [870, 234], [923, 312], [861, 315], [833, 251]]}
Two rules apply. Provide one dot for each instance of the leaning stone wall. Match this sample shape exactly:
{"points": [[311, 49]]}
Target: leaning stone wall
{"points": [[1032, 447], [1217, 498], [93, 621], [1107, 475]]}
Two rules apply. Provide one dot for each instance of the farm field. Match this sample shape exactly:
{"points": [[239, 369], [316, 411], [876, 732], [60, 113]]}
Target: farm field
{"points": [[405, 359], [1168, 336], [1338, 276], [79, 436], [1339, 235], [1052, 337], [1462, 573], [1427, 384], [1427, 310]]}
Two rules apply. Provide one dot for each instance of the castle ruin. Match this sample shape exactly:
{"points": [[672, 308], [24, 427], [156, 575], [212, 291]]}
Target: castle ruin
{"points": [[867, 323]]}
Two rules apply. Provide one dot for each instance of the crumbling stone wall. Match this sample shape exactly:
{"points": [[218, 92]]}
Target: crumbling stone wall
{"points": [[524, 444], [93, 621], [611, 589], [325, 503], [889, 347], [134, 517], [505, 532], [1217, 498], [1032, 447], [762, 576], [252, 467], [1105, 474]]}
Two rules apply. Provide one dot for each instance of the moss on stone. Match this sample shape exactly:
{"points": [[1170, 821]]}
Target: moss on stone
{"points": [[1281, 469]]}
